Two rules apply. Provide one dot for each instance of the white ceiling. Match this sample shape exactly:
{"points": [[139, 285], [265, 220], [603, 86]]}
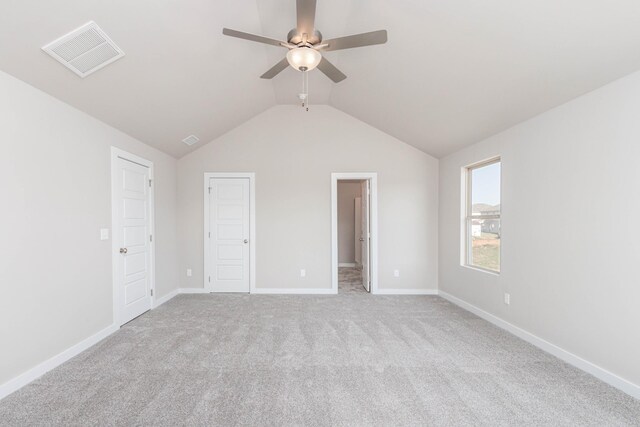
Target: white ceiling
{"points": [[452, 73]]}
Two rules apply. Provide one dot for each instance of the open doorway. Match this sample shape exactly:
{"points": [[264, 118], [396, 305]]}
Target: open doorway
{"points": [[353, 220], [354, 237]]}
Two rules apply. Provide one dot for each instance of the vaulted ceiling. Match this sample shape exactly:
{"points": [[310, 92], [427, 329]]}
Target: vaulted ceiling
{"points": [[452, 73]]}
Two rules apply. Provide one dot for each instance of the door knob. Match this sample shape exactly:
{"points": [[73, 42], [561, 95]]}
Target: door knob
{"points": [[362, 239], [123, 250], [246, 240]]}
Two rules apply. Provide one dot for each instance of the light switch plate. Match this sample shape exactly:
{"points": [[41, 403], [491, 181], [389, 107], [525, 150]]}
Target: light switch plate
{"points": [[189, 272], [396, 273], [303, 273], [104, 234]]}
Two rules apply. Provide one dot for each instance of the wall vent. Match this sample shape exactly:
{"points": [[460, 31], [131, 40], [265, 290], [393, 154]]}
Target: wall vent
{"points": [[191, 139], [85, 50]]}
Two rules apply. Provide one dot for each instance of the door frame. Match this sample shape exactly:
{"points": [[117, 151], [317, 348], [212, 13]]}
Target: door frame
{"points": [[372, 177], [357, 208], [117, 153], [207, 284]]}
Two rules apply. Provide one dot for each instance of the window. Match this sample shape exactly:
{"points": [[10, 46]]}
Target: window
{"points": [[482, 216]]}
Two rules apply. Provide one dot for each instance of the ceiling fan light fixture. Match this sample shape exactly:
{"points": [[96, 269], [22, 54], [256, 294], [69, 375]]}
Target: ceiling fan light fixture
{"points": [[304, 58]]}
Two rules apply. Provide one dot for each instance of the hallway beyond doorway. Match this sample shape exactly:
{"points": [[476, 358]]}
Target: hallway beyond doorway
{"points": [[350, 280]]}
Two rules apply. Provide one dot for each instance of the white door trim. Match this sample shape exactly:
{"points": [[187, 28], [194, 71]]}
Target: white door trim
{"points": [[115, 245], [372, 177], [208, 286]]}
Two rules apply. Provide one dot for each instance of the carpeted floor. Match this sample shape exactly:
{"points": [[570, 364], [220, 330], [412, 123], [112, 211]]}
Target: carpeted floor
{"points": [[350, 359], [350, 280]]}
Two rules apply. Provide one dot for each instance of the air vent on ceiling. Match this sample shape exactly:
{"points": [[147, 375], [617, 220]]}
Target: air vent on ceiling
{"points": [[84, 50], [191, 139]]}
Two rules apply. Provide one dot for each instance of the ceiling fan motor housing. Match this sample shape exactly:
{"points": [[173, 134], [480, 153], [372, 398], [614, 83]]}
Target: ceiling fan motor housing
{"points": [[296, 38]]}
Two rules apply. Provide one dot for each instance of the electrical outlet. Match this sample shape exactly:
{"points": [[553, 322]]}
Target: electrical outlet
{"points": [[189, 272], [303, 273], [396, 273], [104, 234], [507, 298]]}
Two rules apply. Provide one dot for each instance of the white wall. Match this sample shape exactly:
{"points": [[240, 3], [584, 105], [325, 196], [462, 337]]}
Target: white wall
{"points": [[347, 192], [55, 191], [570, 239], [293, 154]]}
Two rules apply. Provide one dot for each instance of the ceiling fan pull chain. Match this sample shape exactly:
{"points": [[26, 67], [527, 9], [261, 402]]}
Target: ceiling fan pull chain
{"points": [[304, 96], [306, 88]]}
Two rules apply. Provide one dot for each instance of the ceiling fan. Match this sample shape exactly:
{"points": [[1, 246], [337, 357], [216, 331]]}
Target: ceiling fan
{"points": [[305, 44]]}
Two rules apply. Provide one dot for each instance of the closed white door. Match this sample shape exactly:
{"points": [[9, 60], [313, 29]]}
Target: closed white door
{"points": [[365, 237], [133, 238], [229, 226]]}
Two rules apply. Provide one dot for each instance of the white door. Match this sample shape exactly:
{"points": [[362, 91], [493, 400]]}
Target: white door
{"points": [[133, 238], [358, 230], [229, 226], [365, 237]]}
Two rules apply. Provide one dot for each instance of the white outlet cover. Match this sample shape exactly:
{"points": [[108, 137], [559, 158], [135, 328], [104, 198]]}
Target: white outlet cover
{"points": [[396, 273], [104, 234], [189, 272], [303, 273], [507, 298]]}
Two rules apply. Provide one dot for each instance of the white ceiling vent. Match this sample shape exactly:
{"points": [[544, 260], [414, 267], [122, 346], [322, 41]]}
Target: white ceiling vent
{"points": [[191, 139], [84, 50]]}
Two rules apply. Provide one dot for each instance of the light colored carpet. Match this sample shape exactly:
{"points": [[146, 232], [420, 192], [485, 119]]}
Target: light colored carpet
{"points": [[350, 280], [350, 359]]}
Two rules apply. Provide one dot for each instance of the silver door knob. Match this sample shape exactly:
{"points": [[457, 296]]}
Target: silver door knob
{"points": [[246, 240], [123, 250], [362, 239]]}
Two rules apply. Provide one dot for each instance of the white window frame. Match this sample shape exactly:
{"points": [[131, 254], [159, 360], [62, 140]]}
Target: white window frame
{"points": [[468, 216]]}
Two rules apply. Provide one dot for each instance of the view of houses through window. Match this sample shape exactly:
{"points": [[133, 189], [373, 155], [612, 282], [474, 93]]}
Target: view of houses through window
{"points": [[483, 216]]}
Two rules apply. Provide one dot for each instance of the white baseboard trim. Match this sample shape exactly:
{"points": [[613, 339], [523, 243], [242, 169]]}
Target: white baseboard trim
{"points": [[193, 291], [347, 264], [580, 363], [406, 292], [165, 298], [298, 291], [57, 360], [271, 291]]}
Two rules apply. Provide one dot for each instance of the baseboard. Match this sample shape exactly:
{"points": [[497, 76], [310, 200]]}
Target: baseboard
{"points": [[269, 291], [57, 360], [406, 292], [193, 291], [165, 298], [298, 291], [347, 264], [313, 291], [580, 363]]}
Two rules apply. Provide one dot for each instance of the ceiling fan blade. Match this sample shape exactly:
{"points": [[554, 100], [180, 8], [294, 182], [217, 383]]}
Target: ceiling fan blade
{"points": [[252, 37], [306, 10], [357, 40], [276, 69], [331, 71]]}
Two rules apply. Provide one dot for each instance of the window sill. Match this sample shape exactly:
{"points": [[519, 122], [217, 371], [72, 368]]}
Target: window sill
{"points": [[480, 269]]}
